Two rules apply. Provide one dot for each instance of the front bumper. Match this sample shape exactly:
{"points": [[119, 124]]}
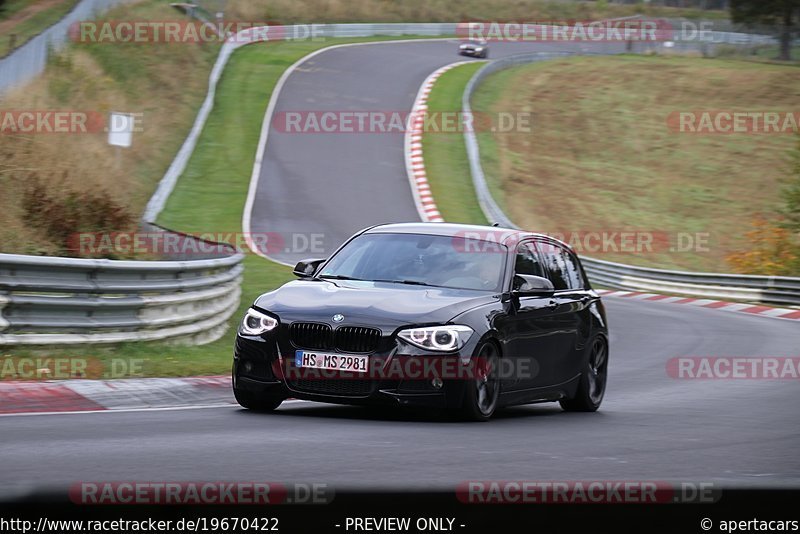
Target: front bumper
{"points": [[259, 366]]}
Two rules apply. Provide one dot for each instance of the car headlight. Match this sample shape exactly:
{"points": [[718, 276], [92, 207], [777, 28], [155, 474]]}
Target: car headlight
{"points": [[478, 48], [256, 323], [444, 338]]}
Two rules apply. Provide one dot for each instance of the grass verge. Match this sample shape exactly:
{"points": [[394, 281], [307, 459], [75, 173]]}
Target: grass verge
{"points": [[600, 157], [24, 20], [445, 154], [164, 83]]}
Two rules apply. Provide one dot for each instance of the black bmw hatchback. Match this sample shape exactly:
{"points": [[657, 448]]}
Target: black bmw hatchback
{"points": [[460, 317]]}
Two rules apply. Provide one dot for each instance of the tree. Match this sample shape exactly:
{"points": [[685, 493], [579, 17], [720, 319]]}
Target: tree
{"points": [[782, 13]]}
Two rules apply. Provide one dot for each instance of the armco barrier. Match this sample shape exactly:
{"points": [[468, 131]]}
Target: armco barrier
{"points": [[48, 300], [766, 289]]}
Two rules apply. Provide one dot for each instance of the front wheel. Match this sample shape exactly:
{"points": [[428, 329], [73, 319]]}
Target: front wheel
{"points": [[256, 402], [480, 398], [592, 383], [252, 400]]}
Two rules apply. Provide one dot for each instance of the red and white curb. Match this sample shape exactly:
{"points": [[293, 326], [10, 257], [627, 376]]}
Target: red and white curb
{"points": [[415, 163], [752, 309], [59, 396]]}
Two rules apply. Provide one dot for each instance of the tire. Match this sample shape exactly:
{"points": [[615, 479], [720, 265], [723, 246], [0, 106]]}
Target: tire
{"points": [[482, 393], [592, 383], [255, 402]]}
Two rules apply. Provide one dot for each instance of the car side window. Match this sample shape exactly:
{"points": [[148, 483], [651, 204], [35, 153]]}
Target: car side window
{"points": [[527, 260], [573, 271], [556, 266], [563, 268]]}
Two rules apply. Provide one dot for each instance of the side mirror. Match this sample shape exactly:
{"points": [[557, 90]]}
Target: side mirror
{"points": [[306, 268], [528, 285]]}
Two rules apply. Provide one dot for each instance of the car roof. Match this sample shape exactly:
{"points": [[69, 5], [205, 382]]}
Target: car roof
{"points": [[472, 231]]}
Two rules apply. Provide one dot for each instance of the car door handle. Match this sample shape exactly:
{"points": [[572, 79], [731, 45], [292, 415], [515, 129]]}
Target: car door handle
{"points": [[553, 304]]}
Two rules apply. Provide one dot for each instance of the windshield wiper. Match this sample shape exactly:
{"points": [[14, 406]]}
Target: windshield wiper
{"points": [[345, 277], [407, 282], [337, 277]]}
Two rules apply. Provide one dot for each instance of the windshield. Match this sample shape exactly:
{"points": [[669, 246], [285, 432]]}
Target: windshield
{"points": [[417, 259]]}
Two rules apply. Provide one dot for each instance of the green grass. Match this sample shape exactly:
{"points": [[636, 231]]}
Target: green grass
{"points": [[445, 154], [600, 145], [32, 26], [482, 101]]}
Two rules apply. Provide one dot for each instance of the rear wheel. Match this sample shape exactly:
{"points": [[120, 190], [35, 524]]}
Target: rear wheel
{"points": [[592, 384], [480, 398]]}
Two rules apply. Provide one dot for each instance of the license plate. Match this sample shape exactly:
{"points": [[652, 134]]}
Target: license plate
{"points": [[337, 362]]}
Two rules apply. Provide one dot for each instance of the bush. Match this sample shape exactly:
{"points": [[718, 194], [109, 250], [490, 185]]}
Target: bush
{"points": [[775, 246], [773, 251], [62, 214]]}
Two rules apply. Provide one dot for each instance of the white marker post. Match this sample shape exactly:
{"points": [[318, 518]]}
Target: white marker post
{"points": [[120, 131]]}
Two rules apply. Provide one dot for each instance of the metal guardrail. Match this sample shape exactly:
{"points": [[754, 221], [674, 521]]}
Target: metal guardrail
{"points": [[49, 300], [777, 290], [780, 290]]}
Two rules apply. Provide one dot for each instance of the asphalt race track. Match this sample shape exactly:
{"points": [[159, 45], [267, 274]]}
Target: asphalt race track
{"points": [[333, 185], [651, 426]]}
